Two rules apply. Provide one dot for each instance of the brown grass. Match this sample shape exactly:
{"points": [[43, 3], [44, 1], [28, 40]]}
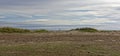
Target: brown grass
{"points": [[60, 44]]}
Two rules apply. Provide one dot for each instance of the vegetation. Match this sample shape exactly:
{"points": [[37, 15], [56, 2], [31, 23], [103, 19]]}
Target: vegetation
{"points": [[18, 30], [64, 43], [56, 49], [60, 44], [86, 29], [41, 30], [13, 30]]}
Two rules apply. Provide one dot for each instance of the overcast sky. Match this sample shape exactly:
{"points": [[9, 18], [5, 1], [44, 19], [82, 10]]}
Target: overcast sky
{"points": [[61, 12]]}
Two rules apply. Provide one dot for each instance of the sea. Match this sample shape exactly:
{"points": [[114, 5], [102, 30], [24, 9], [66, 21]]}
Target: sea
{"points": [[53, 27]]}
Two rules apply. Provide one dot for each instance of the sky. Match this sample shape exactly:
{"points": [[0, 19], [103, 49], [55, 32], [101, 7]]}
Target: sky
{"points": [[104, 13]]}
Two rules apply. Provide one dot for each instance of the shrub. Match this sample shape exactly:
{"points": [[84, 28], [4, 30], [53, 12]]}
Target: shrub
{"points": [[86, 29], [41, 30], [13, 30]]}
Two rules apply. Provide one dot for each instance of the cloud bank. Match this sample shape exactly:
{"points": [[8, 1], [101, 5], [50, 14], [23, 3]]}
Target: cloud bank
{"points": [[62, 12]]}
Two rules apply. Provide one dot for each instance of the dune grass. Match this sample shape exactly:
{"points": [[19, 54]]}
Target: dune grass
{"points": [[56, 49], [18, 30], [13, 30], [39, 31], [85, 30], [60, 44]]}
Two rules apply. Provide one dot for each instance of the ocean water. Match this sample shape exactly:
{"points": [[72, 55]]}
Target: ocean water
{"points": [[57, 27], [54, 27]]}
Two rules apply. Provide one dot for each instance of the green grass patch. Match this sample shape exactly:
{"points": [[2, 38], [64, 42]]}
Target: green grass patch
{"points": [[13, 30], [85, 30], [18, 30], [39, 31], [56, 49]]}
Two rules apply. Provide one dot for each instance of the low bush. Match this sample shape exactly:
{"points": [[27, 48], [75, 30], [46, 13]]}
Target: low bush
{"points": [[13, 30], [86, 29], [39, 31]]}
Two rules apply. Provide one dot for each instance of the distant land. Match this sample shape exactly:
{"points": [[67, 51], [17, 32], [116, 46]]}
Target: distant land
{"points": [[54, 27]]}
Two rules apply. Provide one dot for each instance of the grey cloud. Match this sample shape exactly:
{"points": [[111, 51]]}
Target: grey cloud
{"points": [[64, 9], [79, 10]]}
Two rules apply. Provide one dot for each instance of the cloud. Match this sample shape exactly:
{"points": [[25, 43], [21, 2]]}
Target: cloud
{"points": [[61, 12], [37, 20], [2, 17], [96, 21]]}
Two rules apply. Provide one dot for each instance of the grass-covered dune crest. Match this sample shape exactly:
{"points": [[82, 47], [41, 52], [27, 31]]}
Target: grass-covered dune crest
{"points": [[12, 30], [85, 29], [19, 30]]}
